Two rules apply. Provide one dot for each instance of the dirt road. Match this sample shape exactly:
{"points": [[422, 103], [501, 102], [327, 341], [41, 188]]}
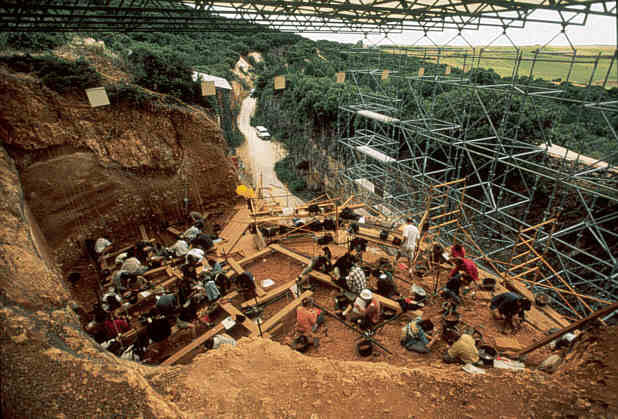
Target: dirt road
{"points": [[260, 156]]}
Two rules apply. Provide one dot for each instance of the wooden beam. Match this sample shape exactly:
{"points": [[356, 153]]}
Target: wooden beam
{"points": [[174, 231], [119, 251], [274, 293], [275, 219], [387, 302], [142, 232], [277, 317], [141, 300], [218, 328], [155, 271], [605, 310]]}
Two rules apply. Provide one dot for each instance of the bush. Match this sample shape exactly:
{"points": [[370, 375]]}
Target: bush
{"points": [[56, 73], [163, 70], [33, 41], [129, 94]]}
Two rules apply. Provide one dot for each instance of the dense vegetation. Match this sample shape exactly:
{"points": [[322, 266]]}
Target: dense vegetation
{"points": [[305, 112], [159, 62]]}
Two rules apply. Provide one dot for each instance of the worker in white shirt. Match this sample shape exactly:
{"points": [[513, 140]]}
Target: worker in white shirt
{"points": [[408, 246]]}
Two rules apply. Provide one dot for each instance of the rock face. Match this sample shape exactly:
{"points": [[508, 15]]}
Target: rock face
{"points": [[49, 366], [92, 171]]}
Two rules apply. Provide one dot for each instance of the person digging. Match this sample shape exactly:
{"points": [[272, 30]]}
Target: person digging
{"points": [[365, 311], [508, 305], [308, 320]]}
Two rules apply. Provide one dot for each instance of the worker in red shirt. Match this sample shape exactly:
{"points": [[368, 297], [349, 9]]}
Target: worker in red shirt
{"points": [[308, 319], [464, 272]]}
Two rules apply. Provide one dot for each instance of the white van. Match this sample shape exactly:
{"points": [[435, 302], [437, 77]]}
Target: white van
{"points": [[262, 132]]}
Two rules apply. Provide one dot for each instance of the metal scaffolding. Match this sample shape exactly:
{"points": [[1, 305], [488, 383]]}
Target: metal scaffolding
{"points": [[419, 127], [338, 16]]}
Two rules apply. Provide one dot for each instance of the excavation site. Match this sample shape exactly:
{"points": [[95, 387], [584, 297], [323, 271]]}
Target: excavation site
{"points": [[317, 210]]}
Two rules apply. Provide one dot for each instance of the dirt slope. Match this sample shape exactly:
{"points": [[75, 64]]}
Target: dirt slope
{"points": [[264, 379]]}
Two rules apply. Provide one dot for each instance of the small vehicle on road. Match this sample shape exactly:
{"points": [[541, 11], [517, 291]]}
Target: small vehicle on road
{"points": [[263, 133]]}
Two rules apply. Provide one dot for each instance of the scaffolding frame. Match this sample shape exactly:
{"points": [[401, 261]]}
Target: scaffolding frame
{"points": [[349, 16], [505, 172]]}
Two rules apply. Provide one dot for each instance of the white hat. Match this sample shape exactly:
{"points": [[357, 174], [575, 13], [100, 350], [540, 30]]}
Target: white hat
{"points": [[366, 294], [120, 258], [383, 276]]}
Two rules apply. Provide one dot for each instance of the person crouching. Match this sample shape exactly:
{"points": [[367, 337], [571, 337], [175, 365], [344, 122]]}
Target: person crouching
{"points": [[365, 310]]}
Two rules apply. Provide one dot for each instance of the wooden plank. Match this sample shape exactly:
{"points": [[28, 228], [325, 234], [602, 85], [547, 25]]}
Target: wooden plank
{"points": [[378, 241], [275, 292], [174, 231], [256, 255], [155, 271], [534, 316], [605, 310], [555, 316], [218, 328], [277, 317], [119, 251], [276, 219], [141, 300], [142, 232]]}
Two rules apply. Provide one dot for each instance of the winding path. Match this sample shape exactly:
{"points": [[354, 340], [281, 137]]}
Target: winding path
{"points": [[260, 156]]}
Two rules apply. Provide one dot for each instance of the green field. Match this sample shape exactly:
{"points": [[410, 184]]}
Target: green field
{"points": [[553, 63]]}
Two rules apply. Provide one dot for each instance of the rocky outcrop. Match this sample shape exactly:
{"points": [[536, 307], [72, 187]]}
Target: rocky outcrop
{"points": [[49, 366], [92, 171]]}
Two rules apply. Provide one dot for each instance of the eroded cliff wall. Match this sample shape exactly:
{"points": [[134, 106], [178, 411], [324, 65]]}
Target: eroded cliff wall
{"points": [[103, 171], [49, 367]]}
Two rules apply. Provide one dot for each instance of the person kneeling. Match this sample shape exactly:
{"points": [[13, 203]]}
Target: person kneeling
{"points": [[413, 337], [508, 305], [365, 310], [463, 351], [308, 319]]}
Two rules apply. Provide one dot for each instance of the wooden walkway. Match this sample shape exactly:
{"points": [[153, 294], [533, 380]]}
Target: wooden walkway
{"points": [[234, 229]]}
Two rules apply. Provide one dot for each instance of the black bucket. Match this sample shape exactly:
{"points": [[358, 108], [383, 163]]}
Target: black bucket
{"points": [[301, 344], [487, 354], [419, 293], [364, 348]]}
